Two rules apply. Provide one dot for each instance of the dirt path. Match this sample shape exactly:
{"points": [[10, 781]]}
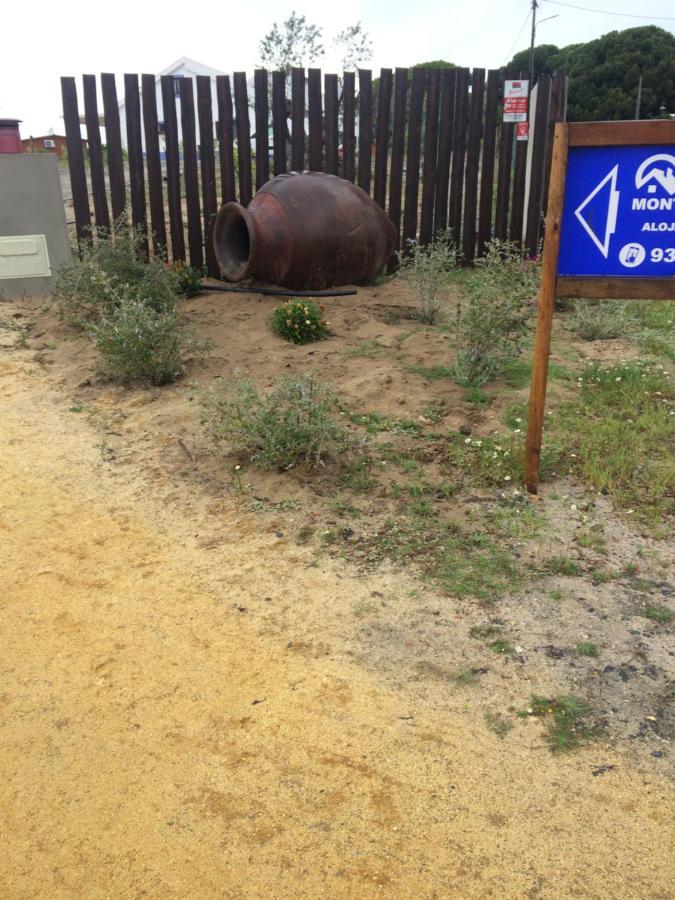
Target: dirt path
{"points": [[154, 744]]}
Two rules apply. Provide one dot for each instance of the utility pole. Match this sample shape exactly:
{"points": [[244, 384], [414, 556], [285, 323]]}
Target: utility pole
{"points": [[639, 99], [534, 29]]}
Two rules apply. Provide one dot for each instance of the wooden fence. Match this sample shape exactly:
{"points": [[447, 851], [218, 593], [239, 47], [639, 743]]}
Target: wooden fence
{"points": [[427, 144]]}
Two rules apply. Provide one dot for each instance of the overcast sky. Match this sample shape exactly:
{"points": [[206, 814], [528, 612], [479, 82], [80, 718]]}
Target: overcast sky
{"points": [[43, 40]]}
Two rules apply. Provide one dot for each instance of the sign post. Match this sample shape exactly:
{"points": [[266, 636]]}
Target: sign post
{"points": [[610, 233]]}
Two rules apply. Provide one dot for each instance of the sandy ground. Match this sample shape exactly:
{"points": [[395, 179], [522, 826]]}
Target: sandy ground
{"points": [[158, 741]]}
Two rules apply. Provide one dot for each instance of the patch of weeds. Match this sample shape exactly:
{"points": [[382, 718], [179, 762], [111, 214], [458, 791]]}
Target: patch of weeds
{"points": [[516, 519], [305, 535], [584, 648], [76, 409], [262, 504], [591, 539], [561, 565], [516, 416], [433, 412], [630, 569], [498, 723], [466, 677], [427, 270], [566, 721], [600, 576], [295, 422], [555, 594], [618, 433], [518, 372], [432, 373], [660, 614], [363, 608], [366, 349], [482, 632], [357, 476], [476, 396], [502, 647], [602, 320], [375, 423], [345, 508], [188, 279]]}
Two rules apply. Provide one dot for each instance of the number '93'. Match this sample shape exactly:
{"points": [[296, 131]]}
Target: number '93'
{"points": [[659, 254]]}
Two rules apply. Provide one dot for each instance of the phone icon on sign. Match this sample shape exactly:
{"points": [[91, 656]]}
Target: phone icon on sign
{"points": [[631, 255]]}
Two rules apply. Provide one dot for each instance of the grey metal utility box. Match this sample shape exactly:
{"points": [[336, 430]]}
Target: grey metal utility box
{"points": [[33, 234]]}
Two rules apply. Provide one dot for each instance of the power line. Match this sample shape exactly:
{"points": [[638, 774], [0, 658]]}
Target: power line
{"points": [[487, 28], [607, 12], [522, 28]]}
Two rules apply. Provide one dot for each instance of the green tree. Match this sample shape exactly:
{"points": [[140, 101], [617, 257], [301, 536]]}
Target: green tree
{"points": [[604, 74], [296, 43], [354, 45]]}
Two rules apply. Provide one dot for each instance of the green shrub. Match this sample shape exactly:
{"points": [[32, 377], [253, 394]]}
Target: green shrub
{"points": [[601, 320], [428, 270], [299, 321], [139, 343], [111, 269], [188, 279], [491, 319], [293, 423]]}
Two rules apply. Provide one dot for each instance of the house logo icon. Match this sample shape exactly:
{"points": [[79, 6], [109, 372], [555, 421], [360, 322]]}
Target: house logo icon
{"points": [[657, 170]]}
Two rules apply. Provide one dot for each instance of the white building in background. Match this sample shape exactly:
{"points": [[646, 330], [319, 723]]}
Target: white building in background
{"points": [[183, 68]]}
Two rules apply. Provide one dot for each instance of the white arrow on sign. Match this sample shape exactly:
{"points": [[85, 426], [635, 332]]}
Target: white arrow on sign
{"points": [[601, 240]]}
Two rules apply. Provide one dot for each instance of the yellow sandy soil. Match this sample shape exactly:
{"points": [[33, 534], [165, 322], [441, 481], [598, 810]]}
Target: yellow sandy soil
{"points": [[137, 760]]}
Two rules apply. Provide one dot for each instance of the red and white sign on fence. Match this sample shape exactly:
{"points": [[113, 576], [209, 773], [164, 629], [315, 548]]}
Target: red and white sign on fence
{"points": [[522, 131], [515, 101]]}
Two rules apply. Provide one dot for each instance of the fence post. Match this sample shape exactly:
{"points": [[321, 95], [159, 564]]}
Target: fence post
{"points": [[132, 102], [536, 159], [412, 162], [297, 119], [331, 117], [430, 156], [365, 127], [472, 162], [243, 138], [382, 136], [226, 138], [487, 173], [168, 83], [279, 118], [208, 167], [397, 149], [154, 164], [447, 113], [348, 126], [262, 162], [78, 175], [96, 172]]}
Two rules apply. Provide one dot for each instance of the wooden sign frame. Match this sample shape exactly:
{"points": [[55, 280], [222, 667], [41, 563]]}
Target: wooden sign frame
{"points": [[566, 135]]}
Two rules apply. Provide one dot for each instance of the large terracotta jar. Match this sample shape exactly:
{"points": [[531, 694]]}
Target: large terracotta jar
{"points": [[304, 231]]}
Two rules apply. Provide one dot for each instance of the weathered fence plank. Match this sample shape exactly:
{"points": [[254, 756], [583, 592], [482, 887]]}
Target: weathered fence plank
{"points": [[472, 164], [243, 138], [430, 156], [397, 150], [113, 140], [208, 168], [78, 175], [412, 162], [297, 119], [173, 168], [262, 116], [365, 127], [279, 120], [314, 114], [331, 115], [447, 113], [225, 131], [505, 166], [487, 172], [535, 212], [132, 102], [348, 127], [191, 173], [96, 172], [458, 153], [382, 136], [154, 164]]}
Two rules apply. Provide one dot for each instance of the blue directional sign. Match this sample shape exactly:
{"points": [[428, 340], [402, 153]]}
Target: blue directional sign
{"points": [[619, 212]]}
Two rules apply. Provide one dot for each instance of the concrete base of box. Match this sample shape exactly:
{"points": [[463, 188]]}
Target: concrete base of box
{"points": [[31, 203]]}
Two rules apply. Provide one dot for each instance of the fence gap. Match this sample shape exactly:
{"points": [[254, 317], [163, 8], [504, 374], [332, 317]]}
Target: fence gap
{"points": [[154, 164], [412, 162], [447, 112], [297, 119], [225, 130], [279, 120], [262, 153], [78, 175], [382, 136], [113, 140], [348, 126], [168, 83], [487, 172], [208, 169], [331, 103], [430, 156], [365, 128]]}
